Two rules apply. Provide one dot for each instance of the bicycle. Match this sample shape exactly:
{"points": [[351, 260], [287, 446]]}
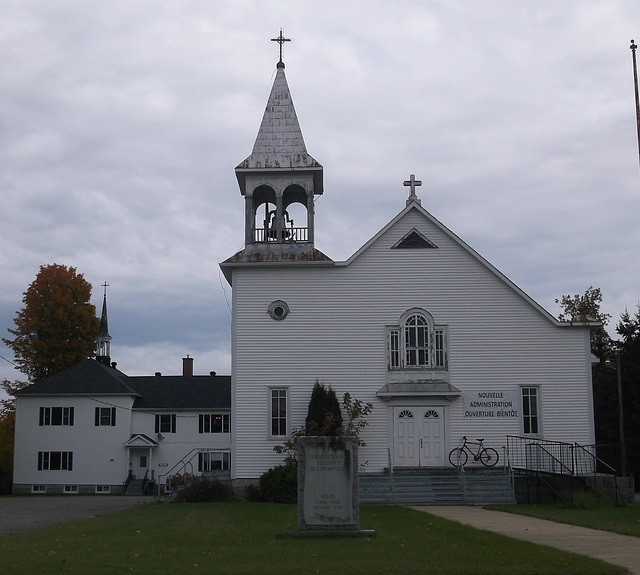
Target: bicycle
{"points": [[459, 456]]}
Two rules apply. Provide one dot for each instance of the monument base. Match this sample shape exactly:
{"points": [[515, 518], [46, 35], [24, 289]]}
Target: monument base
{"points": [[355, 533]]}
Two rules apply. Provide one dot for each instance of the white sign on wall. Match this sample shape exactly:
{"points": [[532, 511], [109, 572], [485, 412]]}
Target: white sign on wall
{"points": [[491, 404]]}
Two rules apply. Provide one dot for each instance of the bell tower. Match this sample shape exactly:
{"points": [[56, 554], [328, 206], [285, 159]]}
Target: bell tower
{"points": [[278, 178]]}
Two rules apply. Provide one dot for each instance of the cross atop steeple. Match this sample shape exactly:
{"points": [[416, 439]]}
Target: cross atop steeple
{"points": [[412, 183], [105, 285], [280, 40]]}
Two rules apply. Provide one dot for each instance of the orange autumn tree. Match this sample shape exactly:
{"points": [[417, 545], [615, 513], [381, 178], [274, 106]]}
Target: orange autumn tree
{"points": [[57, 326]]}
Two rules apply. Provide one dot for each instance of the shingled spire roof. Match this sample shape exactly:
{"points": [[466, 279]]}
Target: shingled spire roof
{"points": [[104, 321], [279, 143], [103, 341]]}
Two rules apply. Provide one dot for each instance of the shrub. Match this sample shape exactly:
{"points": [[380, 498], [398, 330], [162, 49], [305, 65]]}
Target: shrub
{"points": [[324, 416], [202, 490], [279, 484], [252, 493]]}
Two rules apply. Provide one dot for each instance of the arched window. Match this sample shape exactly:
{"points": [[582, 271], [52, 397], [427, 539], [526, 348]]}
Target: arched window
{"points": [[416, 343]]}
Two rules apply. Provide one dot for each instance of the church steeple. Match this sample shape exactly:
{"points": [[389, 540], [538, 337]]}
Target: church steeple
{"points": [[279, 174], [103, 341]]}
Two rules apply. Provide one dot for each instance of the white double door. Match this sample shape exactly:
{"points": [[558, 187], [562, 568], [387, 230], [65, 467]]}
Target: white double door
{"points": [[419, 436]]}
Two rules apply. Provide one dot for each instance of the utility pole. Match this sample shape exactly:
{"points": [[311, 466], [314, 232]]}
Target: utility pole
{"points": [[635, 87]]}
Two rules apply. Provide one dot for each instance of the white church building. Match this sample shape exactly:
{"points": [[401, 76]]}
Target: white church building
{"points": [[416, 322]]}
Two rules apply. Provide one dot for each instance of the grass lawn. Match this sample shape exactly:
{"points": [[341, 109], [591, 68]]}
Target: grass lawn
{"points": [[624, 520], [230, 538]]}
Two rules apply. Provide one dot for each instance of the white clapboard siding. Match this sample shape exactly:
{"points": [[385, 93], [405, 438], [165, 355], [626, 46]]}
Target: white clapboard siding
{"points": [[98, 454], [335, 333]]}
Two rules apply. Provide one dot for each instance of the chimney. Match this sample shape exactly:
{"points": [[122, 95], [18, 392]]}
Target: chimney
{"points": [[187, 366]]}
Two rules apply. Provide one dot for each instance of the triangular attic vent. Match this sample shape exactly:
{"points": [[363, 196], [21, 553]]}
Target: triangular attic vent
{"points": [[414, 240]]}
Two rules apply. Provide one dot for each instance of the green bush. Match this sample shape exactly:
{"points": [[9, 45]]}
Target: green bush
{"points": [[279, 484], [202, 490], [324, 416]]}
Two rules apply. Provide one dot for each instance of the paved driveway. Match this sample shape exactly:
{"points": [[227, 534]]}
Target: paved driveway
{"points": [[32, 512]]}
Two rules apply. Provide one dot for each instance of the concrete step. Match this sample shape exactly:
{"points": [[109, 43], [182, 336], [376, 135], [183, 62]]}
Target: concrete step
{"points": [[135, 487], [436, 486]]}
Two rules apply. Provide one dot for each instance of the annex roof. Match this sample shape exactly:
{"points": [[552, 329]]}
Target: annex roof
{"points": [[178, 392], [89, 377], [173, 392]]}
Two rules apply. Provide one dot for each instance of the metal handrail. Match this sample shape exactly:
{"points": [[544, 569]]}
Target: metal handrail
{"points": [[553, 458], [183, 463]]}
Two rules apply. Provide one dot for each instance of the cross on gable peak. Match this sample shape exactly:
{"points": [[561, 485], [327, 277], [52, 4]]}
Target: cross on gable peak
{"points": [[412, 183], [281, 40]]}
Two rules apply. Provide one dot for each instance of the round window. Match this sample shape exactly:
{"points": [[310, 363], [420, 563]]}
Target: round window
{"points": [[278, 310]]}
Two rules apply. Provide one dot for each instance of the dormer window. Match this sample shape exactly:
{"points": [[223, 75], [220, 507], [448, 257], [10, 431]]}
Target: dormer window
{"points": [[417, 343]]}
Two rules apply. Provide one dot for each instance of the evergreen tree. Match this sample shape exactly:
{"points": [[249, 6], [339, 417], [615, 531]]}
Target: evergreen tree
{"points": [[629, 330], [324, 416]]}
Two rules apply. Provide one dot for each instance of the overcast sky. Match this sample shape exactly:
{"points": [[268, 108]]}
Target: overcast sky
{"points": [[121, 123]]}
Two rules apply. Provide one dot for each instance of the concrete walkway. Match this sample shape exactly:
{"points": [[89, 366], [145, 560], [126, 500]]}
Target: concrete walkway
{"points": [[610, 547]]}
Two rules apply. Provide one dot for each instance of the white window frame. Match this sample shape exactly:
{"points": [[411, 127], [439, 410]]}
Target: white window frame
{"points": [[46, 416], [206, 458], [105, 416], [409, 349], [45, 459], [276, 419], [70, 490], [166, 423], [527, 417], [103, 489], [222, 423], [38, 489]]}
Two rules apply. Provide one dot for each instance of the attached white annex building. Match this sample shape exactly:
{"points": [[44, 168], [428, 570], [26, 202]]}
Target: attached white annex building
{"points": [[93, 429], [416, 322]]}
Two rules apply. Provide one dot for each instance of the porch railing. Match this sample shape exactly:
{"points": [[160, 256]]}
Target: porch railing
{"points": [[558, 458]]}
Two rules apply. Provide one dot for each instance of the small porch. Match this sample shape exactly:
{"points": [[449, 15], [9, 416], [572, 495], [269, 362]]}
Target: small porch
{"points": [[140, 478]]}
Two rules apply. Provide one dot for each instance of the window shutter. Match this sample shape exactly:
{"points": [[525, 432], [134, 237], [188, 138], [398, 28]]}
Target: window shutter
{"points": [[70, 461], [42, 416], [113, 416], [40, 460], [173, 423], [157, 423], [97, 416], [200, 427], [71, 416]]}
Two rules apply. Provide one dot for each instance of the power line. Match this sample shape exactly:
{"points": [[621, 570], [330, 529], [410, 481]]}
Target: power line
{"points": [[8, 361]]}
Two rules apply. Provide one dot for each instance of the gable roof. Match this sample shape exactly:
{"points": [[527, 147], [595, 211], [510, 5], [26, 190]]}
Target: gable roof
{"points": [[415, 205]]}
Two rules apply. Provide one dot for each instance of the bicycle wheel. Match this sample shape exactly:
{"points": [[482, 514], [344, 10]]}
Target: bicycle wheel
{"points": [[458, 457], [488, 457]]}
